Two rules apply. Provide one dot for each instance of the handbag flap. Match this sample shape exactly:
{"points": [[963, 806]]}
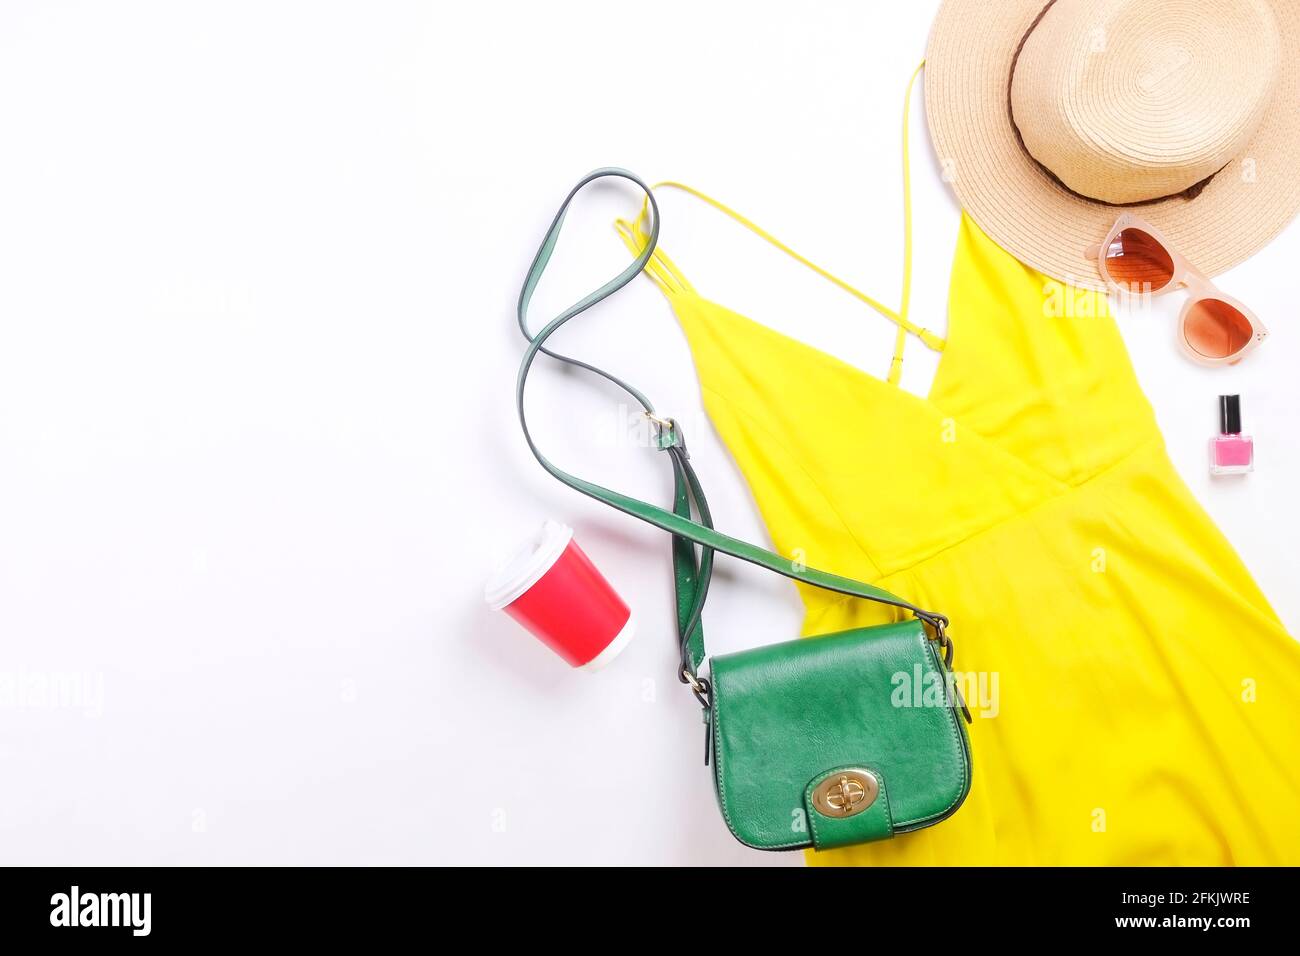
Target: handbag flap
{"points": [[836, 740]]}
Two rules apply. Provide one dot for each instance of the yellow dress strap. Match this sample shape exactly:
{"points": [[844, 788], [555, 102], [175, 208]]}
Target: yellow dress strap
{"points": [[905, 305], [660, 268], [670, 279]]}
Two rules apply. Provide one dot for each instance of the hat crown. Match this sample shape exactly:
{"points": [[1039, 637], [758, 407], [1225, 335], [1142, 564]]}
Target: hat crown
{"points": [[1127, 101]]}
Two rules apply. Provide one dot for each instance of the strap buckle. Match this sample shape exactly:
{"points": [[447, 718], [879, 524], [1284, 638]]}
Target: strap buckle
{"points": [[700, 687], [703, 692], [668, 434], [940, 624]]}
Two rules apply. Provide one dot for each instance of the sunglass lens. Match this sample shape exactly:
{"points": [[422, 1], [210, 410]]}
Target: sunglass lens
{"points": [[1215, 329], [1137, 262]]}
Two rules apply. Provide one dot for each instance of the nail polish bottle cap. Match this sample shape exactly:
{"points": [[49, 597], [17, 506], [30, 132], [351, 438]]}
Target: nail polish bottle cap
{"points": [[1230, 414]]}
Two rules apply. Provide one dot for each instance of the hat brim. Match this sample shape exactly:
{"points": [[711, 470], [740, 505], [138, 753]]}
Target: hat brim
{"points": [[968, 68]]}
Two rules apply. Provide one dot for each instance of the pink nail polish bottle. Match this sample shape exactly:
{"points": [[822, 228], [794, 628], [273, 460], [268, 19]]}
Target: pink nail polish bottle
{"points": [[1231, 453]]}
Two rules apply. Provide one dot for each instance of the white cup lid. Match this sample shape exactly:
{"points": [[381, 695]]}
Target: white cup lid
{"points": [[527, 565]]}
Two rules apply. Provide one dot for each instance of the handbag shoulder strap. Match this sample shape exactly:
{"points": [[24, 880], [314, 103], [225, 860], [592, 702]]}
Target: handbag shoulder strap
{"points": [[692, 576]]}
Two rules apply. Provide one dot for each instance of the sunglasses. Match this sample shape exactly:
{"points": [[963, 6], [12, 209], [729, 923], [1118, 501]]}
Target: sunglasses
{"points": [[1214, 329]]}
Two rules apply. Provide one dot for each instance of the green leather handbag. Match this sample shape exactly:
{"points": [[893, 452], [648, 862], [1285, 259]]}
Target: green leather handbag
{"points": [[820, 742]]}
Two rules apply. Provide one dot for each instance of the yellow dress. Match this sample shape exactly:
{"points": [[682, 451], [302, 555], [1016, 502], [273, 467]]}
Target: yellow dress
{"points": [[1136, 700]]}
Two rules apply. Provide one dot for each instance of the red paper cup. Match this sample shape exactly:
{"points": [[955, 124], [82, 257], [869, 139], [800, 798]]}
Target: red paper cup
{"points": [[551, 587]]}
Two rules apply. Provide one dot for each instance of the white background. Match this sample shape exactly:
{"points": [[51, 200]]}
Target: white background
{"points": [[258, 264]]}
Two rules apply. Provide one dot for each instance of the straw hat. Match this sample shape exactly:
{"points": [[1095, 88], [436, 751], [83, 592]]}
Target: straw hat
{"points": [[1050, 117]]}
